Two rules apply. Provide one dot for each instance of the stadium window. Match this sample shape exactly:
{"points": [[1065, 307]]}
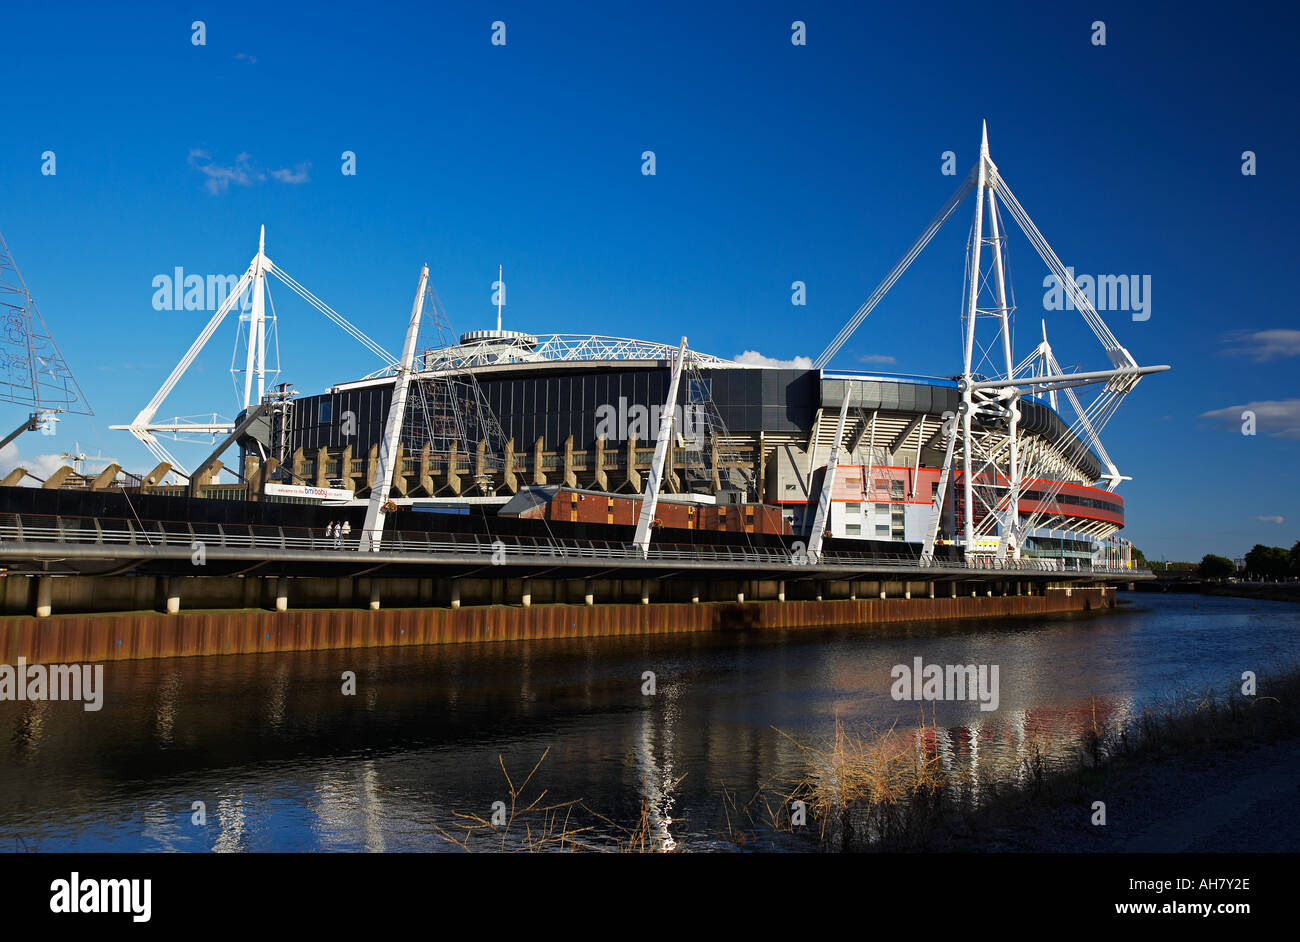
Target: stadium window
{"points": [[852, 529], [325, 412], [895, 488], [882, 530], [853, 508]]}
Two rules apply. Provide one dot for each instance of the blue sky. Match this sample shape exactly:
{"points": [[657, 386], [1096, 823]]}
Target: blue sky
{"points": [[774, 163]]}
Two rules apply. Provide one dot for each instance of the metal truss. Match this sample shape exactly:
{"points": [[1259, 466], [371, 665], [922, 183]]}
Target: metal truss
{"points": [[449, 415], [528, 348], [711, 461], [32, 370]]}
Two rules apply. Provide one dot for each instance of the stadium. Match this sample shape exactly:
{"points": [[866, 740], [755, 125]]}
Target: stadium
{"points": [[743, 434], [1001, 459]]}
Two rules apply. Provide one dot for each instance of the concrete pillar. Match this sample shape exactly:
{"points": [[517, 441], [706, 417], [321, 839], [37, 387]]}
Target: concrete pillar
{"points": [[281, 594], [527, 595], [907, 589], [853, 590], [455, 593], [931, 590], [695, 593], [1017, 588], [882, 588], [645, 591], [44, 590], [740, 592], [989, 592], [780, 591], [953, 588], [821, 590], [374, 595], [173, 595], [589, 592]]}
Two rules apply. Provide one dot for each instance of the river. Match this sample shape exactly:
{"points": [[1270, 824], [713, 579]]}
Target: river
{"points": [[282, 760]]}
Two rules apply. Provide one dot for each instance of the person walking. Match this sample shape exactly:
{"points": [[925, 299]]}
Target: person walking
{"points": [[346, 529]]}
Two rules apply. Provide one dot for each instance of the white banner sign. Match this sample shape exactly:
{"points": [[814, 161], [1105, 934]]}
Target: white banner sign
{"points": [[303, 490]]}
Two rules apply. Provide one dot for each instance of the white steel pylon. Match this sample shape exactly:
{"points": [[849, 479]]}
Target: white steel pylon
{"points": [[982, 455], [255, 363], [985, 432], [372, 532], [146, 429], [663, 442]]}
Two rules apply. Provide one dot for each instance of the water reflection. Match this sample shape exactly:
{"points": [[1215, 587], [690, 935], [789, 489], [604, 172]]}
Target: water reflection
{"points": [[284, 761]]}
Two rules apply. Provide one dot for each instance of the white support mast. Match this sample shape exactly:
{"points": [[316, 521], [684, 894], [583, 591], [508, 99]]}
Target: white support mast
{"points": [[1009, 535], [968, 346], [144, 426], [372, 532], [995, 462], [828, 484], [650, 502], [255, 362]]}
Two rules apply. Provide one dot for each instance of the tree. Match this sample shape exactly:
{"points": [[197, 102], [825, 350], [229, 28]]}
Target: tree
{"points": [[1268, 562], [1215, 567], [1140, 559]]}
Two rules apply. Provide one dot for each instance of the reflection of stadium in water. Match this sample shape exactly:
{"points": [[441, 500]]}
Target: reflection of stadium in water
{"points": [[283, 761]]}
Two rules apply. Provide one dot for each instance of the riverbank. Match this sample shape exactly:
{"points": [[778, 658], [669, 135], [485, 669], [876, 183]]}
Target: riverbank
{"points": [[1273, 591], [1264, 591], [1206, 773], [81, 638]]}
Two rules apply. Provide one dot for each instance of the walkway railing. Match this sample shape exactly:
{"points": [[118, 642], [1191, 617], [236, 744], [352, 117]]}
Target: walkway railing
{"points": [[28, 529]]}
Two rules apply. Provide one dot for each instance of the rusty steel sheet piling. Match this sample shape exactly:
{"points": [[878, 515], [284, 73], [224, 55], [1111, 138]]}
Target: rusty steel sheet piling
{"points": [[81, 638]]}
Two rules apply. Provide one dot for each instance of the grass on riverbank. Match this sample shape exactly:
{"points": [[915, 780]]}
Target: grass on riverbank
{"points": [[529, 825], [889, 791]]}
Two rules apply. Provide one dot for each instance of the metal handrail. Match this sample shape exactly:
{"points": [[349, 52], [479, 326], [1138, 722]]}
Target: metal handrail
{"points": [[23, 531]]}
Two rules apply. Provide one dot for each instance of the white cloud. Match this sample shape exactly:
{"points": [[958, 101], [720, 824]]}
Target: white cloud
{"points": [[1264, 345], [876, 358], [251, 60], [220, 177], [1279, 417], [297, 175], [241, 173], [1270, 519], [754, 358]]}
